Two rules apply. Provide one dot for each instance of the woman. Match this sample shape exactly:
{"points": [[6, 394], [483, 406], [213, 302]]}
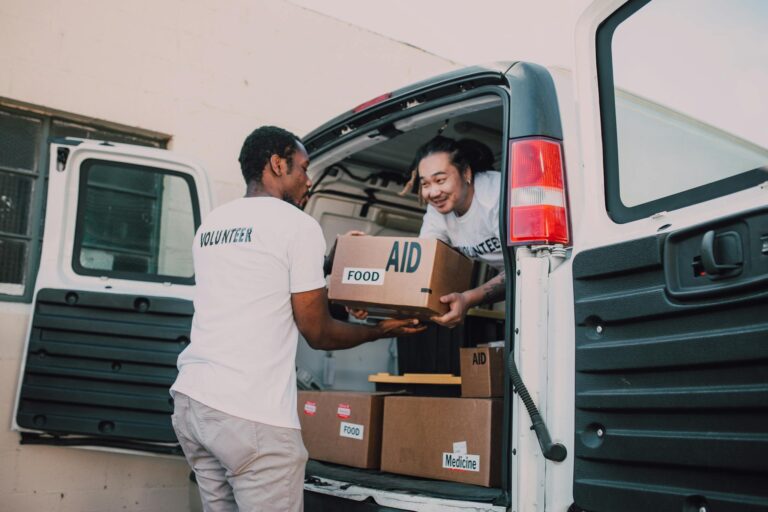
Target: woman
{"points": [[462, 197]]}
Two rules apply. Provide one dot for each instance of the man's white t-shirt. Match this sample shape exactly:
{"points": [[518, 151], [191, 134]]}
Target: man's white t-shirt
{"points": [[476, 233], [250, 255]]}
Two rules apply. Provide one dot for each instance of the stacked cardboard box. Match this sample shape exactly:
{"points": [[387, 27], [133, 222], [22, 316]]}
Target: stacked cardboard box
{"points": [[342, 427], [482, 372], [455, 439]]}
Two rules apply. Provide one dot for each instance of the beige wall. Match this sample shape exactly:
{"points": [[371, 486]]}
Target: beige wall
{"points": [[207, 73]]}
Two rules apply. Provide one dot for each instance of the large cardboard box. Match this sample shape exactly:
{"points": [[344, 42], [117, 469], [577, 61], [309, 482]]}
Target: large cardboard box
{"points": [[482, 372], [456, 439], [342, 426], [397, 276]]}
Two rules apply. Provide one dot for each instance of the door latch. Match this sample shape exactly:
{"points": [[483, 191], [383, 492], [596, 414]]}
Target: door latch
{"points": [[721, 254], [62, 154]]}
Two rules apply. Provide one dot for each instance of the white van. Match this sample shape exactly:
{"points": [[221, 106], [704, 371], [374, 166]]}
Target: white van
{"points": [[635, 316]]}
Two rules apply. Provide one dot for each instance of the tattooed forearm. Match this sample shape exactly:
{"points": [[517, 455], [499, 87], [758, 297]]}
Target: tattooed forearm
{"points": [[494, 290]]}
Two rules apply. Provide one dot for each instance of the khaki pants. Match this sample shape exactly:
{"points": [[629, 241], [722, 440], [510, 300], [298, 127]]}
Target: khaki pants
{"points": [[240, 464]]}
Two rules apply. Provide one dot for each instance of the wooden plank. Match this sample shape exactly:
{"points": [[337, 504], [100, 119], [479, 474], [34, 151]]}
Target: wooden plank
{"points": [[416, 378]]}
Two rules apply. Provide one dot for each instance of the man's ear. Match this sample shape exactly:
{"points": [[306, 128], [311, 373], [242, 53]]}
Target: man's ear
{"points": [[274, 165]]}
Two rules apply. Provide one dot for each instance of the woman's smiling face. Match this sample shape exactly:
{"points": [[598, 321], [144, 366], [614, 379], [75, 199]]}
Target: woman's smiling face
{"points": [[442, 184]]}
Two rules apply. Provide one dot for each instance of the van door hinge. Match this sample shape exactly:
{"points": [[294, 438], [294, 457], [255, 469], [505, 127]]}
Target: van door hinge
{"points": [[62, 154]]}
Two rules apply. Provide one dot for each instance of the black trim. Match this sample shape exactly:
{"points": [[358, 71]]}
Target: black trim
{"points": [[533, 99], [85, 168], [339, 136], [617, 210], [448, 84], [49, 440], [375, 479]]}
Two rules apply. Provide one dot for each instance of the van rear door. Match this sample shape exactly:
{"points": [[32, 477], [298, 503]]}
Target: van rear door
{"points": [[112, 303], [670, 269]]}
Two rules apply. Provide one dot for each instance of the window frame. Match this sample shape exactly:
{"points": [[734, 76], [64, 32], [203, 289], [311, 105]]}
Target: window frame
{"points": [[85, 168], [48, 117], [616, 209]]}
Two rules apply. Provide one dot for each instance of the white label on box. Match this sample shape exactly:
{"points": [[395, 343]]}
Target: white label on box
{"points": [[461, 462], [310, 408], [460, 448], [351, 430], [363, 276]]}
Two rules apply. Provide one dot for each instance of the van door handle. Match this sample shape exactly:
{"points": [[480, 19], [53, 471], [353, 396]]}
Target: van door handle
{"points": [[730, 247], [551, 451]]}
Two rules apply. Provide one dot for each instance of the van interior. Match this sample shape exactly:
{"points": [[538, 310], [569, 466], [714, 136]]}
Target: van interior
{"points": [[363, 183]]}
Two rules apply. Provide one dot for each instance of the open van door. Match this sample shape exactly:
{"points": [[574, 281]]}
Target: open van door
{"points": [[670, 270], [112, 302]]}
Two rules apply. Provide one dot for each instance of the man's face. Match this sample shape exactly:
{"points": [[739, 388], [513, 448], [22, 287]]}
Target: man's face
{"points": [[296, 183], [442, 184]]}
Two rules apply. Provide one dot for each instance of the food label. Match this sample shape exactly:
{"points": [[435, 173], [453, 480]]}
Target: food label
{"points": [[373, 276], [351, 430]]}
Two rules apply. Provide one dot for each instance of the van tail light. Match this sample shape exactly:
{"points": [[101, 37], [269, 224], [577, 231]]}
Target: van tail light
{"points": [[370, 103], [537, 200]]}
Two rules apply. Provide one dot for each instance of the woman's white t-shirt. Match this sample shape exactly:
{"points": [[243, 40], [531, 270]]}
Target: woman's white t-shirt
{"points": [[476, 233], [250, 256]]}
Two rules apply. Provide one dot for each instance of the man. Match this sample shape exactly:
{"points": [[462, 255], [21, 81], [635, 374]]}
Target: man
{"points": [[258, 267]]}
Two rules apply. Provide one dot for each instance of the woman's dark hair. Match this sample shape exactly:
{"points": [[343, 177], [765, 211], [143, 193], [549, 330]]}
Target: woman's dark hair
{"points": [[259, 147], [464, 153]]}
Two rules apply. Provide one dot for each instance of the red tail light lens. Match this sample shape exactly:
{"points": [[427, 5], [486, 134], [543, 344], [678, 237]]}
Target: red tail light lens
{"points": [[370, 103], [537, 201]]}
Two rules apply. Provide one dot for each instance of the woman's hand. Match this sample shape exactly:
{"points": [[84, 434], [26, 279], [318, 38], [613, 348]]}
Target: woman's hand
{"points": [[458, 306]]}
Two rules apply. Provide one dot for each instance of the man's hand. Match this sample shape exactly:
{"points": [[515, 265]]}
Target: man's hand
{"points": [[459, 303], [458, 306], [360, 314], [393, 327]]}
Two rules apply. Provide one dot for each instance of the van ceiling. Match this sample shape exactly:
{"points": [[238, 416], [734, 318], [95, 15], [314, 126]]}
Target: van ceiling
{"points": [[396, 154]]}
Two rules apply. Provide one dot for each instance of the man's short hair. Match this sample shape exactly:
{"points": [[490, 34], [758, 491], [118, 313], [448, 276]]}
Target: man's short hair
{"points": [[259, 147]]}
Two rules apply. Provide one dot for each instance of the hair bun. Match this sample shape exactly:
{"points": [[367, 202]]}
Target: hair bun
{"points": [[478, 155]]}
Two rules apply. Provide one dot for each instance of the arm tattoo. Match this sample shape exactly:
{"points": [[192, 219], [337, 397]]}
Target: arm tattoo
{"points": [[494, 290]]}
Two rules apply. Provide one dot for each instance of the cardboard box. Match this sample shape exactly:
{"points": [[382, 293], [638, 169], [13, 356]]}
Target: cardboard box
{"points": [[482, 372], [456, 439], [397, 276], [342, 426]]}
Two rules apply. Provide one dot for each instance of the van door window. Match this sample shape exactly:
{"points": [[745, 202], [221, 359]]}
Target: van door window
{"points": [[682, 100], [135, 222]]}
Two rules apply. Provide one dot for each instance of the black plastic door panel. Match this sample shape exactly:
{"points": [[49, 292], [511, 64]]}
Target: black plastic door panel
{"points": [[672, 371], [99, 365]]}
